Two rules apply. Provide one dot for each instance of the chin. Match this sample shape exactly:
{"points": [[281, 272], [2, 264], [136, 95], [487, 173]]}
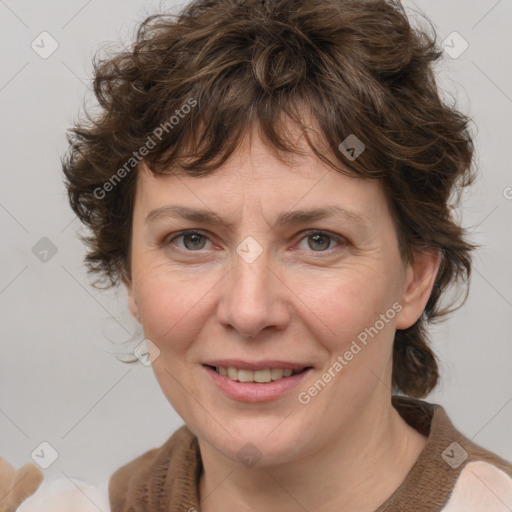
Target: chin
{"points": [[266, 443]]}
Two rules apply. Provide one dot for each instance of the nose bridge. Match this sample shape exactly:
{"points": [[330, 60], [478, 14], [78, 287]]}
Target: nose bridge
{"points": [[252, 298]]}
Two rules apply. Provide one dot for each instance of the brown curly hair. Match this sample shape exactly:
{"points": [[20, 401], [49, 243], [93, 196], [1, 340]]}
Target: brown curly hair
{"points": [[358, 67]]}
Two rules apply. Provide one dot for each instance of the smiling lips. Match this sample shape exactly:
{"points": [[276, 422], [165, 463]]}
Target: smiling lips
{"points": [[259, 382]]}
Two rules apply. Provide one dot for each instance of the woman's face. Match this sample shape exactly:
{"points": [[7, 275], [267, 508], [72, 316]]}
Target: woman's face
{"points": [[264, 284]]}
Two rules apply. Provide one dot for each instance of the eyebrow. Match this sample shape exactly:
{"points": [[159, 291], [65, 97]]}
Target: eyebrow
{"points": [[294, 217]]}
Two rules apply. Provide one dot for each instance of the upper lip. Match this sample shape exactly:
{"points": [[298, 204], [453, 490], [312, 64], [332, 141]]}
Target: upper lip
{"points": [[256, 365]]}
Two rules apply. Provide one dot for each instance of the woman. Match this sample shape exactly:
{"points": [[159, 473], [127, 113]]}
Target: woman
{"points": [[271, 181]]}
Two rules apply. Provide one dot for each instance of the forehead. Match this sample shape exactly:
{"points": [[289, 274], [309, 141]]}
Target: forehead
{"points": [[257, 175]]}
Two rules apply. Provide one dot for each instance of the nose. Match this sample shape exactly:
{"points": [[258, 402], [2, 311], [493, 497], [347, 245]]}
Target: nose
{"points": [[254, 298]]}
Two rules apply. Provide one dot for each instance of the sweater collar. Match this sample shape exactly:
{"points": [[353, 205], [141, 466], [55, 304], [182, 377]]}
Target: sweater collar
{"points": [[167, 478]]}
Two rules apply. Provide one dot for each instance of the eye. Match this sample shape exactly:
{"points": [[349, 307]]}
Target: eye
{"points": [[195, 241], [320, 241], [192, 240]]}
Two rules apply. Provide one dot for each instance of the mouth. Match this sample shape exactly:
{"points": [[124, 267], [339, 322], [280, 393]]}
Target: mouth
{"points": [[259, 376], [256, 382]]}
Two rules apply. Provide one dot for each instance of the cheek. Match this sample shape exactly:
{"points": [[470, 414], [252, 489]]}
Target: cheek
{"points": [[343, 309], [173, 311], [355, 323], [172, 308]]}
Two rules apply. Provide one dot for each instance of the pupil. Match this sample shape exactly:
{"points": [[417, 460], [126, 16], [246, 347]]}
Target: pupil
{"points": [[195, 238], [318, 239]]}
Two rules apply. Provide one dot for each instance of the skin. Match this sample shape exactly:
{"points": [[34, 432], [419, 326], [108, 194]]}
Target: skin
{"points": [[303, 299]]}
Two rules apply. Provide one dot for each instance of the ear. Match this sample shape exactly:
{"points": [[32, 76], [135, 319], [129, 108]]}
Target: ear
{"points": [[420, 277], [132, 305]]}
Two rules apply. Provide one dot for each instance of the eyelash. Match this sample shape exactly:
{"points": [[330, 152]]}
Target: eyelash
{"points": [[337, 238]]}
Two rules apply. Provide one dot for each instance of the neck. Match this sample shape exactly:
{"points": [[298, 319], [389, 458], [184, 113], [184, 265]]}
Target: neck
{"points": [[358, 470]]}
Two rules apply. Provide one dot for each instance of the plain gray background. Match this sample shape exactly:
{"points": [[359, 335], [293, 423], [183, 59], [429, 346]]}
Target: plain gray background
{"points": [[60, 380]]}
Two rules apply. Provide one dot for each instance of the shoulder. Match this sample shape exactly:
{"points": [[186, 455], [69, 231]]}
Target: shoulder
{"points": [[480, 487], [63, 495], [453, 473], [479, 480], [26, 490], [158, 472], [483, 481]]}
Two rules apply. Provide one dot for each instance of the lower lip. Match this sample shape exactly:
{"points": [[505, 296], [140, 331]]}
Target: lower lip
{"points": [[255, 391]]}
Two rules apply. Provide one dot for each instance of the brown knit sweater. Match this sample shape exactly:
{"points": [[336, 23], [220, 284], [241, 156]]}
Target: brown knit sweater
{"points": [[451, 474]]}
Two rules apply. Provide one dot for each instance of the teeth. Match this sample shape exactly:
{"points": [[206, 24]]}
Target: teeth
{"points": [[262, 376], [244, 375], [276, 373]]}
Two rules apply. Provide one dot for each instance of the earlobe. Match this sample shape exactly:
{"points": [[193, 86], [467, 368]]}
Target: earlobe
{"points": [[419, 280]]}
